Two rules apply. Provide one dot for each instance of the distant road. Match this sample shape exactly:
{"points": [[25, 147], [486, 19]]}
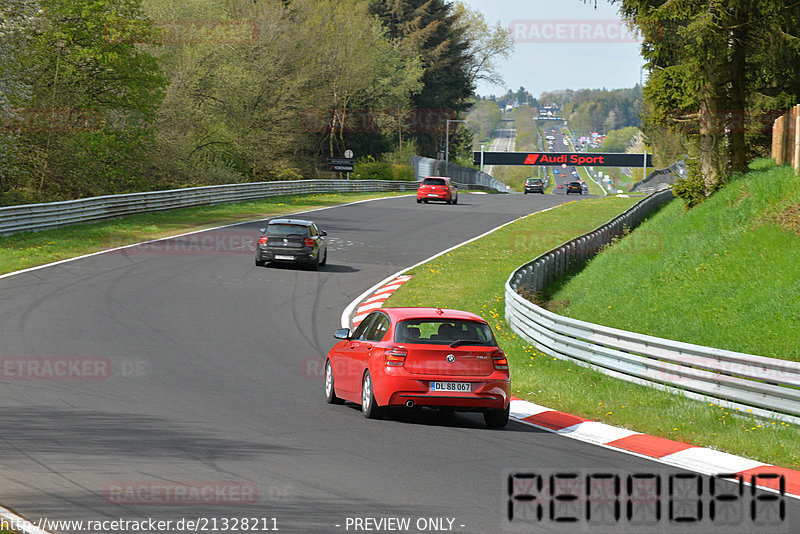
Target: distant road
{"points": [[504, 141], [565, 173]]}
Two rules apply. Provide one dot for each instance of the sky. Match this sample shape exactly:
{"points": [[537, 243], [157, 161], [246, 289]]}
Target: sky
{"points": [[562, 44]]}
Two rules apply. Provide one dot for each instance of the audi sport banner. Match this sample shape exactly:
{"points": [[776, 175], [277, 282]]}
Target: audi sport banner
{"points": [[572, 159]]}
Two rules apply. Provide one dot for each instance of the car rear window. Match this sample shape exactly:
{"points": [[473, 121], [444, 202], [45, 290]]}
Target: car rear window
{"points": [[443, 332], [433, 181], [287, 229]]}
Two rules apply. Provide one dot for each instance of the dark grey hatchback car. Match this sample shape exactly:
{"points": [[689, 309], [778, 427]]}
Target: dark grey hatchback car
{"points": [[534, 185], [292, 241]]}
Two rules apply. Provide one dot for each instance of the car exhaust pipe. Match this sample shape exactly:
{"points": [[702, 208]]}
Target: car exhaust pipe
{"points": [[409, 404]]}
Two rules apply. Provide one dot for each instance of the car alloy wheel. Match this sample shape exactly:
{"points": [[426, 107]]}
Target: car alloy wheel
{"points": [[369, 407], [330, 392]]}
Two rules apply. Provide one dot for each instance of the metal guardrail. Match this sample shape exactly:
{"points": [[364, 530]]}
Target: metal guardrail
{"points": [[768, 386], [536, 275], [36, 217], [465, 177], [661, 178]]}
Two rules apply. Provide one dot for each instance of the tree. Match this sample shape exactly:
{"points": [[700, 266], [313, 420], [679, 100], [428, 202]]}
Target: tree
{"points": [[356, 65], [600, 110], [235, 109], [17, 21], [93, 95], [482, 120], [431, 30], [314, 78], [486, 45], [620, 140], [710, 64], [770, 64], [610, 123]]}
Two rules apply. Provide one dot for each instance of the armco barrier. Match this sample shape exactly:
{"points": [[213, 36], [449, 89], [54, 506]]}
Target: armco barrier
{"points": [[768, 386], [465, 177], [53, 214], [661, 178]]}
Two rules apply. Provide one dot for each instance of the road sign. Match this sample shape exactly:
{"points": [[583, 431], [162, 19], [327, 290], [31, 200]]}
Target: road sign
{"points": [[341, 164], [573, 159]]}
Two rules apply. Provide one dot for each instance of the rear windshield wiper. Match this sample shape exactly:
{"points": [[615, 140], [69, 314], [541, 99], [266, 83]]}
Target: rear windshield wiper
{"points": [[460, 342]]}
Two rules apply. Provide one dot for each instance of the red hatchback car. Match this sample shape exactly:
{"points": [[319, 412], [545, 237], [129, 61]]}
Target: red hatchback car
{"points": [[444, 359], [437, 188]]}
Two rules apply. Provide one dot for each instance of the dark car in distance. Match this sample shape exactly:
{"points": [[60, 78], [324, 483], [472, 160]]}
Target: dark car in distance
{"points": [[292, 241], [534, 185], [574, 187]]}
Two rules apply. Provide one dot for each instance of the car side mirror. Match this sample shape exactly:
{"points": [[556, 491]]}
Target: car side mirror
{"points": [[262, 230], [342, 333], [323, 233]]}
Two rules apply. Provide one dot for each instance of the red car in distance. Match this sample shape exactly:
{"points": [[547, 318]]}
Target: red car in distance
{"points": [[437, 188], [445, 359]]}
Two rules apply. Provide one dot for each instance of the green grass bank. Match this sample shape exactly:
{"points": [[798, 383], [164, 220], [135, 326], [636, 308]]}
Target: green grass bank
{"points": [[472, 278], [725, 274]]}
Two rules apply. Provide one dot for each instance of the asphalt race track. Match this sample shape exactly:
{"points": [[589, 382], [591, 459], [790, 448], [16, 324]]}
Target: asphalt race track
{"points": [[201, 369]]}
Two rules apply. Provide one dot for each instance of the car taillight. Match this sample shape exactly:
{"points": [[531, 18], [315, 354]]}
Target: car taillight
{"points": [[499, 360], [395, 357], [308, 242], [262, 240]]}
